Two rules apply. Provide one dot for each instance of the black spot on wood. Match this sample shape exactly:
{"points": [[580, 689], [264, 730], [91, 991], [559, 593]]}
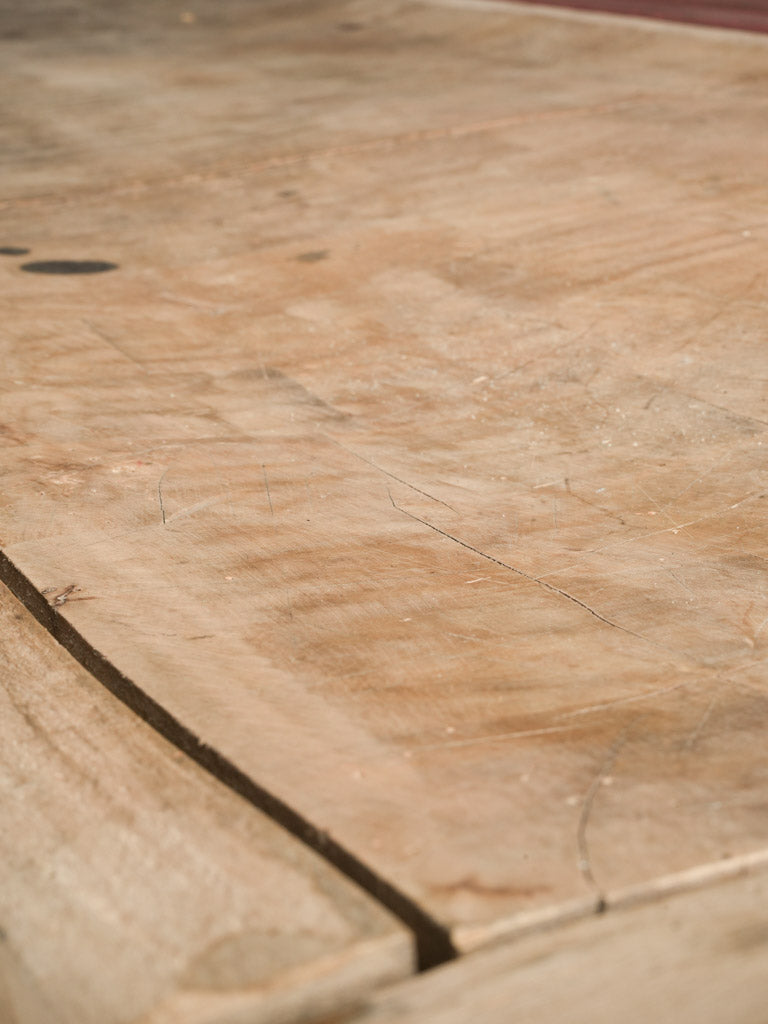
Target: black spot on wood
{"points": [[68, 266], [313, 257]]}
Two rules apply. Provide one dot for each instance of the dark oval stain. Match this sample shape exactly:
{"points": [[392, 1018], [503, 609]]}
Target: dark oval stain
{"points": [[68, 266], [12, 250], [350, 26], [313, 257]]}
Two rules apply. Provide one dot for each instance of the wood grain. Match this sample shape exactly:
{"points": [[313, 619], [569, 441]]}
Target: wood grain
{"points": [[414, 455], [700, 956], [135, 888]]}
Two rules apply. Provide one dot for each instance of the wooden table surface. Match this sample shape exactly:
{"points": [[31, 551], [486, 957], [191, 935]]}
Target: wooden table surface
{"points": [[384, 420]]}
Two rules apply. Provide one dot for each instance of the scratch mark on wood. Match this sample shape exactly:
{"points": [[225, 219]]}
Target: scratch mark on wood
{"points": [[391, 476], [160, 495], [725, 409], [266, 485], [680, 583], [183, 300], [555, 350], [585, 858], [526, 576], [661, 508], [619, 542], [591, 709], [724, 307], [113, 344], [496, 737], [697, 729], [197, 507], [701, 246], [592, 504], [697, 480]]}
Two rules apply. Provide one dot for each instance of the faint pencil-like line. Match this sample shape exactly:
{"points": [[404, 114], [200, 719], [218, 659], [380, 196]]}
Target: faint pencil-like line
{"points": [[266, 486]]}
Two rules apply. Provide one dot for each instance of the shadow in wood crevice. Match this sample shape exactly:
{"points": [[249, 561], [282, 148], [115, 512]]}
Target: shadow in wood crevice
{"points": [[433, 942]]}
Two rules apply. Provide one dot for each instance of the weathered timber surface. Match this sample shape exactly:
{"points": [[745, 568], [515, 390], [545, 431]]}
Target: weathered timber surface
{"points": [[413, 456], [700, 956], [135, 888]]}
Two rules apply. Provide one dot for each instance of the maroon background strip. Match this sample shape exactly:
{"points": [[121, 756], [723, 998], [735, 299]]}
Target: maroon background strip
{"points": [[751, 16]]}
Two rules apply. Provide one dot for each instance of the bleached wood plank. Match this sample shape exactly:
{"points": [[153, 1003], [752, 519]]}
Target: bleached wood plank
{"points": [[135, 888], [414, 455]]}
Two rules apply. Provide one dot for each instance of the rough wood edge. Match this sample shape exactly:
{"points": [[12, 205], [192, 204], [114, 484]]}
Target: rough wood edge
{"points": [[433, 941]]}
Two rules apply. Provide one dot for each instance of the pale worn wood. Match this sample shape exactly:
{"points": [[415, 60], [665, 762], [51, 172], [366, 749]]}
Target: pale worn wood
{"points": [[414, 456], [135, 888], [701, 957]]}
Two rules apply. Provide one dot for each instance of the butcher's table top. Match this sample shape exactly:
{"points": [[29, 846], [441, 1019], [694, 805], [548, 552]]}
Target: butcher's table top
{"points": [[383, 502]]}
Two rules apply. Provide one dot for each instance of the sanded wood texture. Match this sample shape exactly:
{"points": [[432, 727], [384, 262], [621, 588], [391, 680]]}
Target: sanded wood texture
{"points": [[700, 956], [135, 888], [413, 453]]}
